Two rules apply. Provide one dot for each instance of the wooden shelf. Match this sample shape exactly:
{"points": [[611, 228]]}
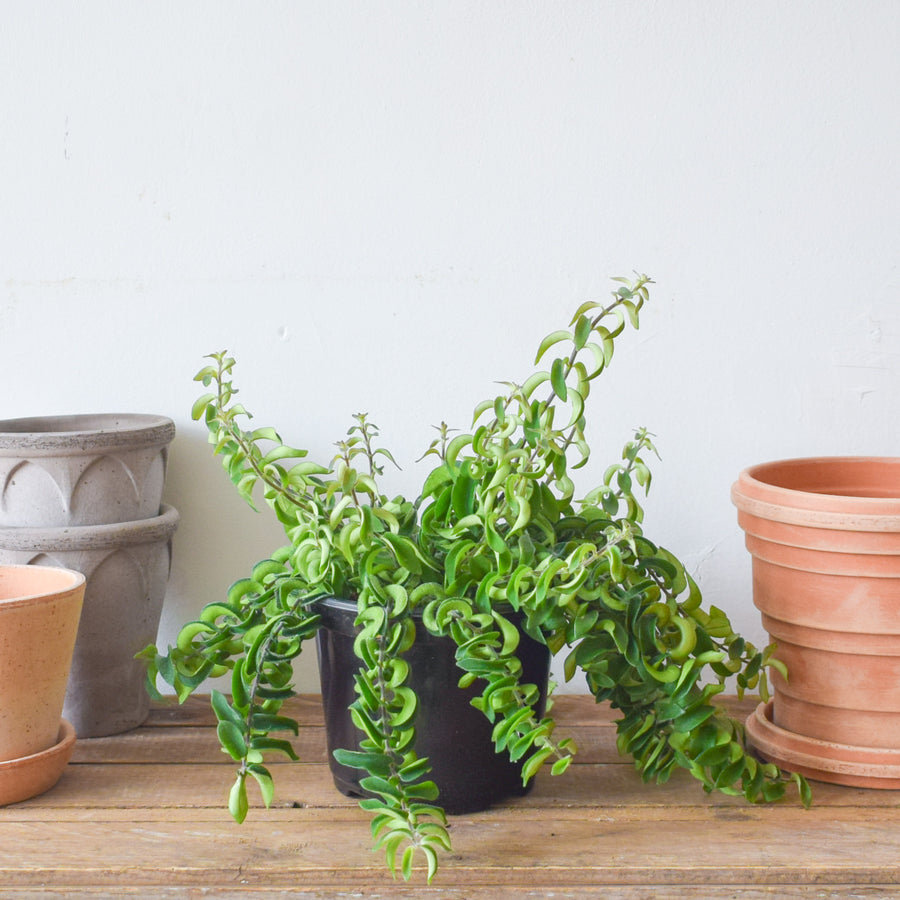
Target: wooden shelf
{"points": [[143, 815]]}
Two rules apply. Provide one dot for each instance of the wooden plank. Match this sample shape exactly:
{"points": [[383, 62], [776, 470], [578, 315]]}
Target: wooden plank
{"points": [[143, 814], [573, 709], [196, 711], [93, 786], [178, 744], [319, 847], [225, 891], [185, 733]]}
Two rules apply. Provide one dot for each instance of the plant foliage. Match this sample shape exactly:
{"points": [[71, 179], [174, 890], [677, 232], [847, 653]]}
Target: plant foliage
{"points": [[497, 528]]}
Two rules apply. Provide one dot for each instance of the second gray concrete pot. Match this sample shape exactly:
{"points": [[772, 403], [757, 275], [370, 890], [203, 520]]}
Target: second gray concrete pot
{"points": [[127, 567]]}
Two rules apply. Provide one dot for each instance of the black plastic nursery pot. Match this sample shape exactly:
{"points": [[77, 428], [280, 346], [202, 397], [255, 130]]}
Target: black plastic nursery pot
{"points": [[455, 736]]}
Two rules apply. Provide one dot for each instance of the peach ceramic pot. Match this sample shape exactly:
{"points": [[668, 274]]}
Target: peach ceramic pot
{"points": [[82, 469], [824, 534], [39, 612]]}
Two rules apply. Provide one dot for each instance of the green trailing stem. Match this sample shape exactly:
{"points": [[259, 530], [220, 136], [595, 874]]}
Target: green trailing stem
{"points": [[497, 531]]}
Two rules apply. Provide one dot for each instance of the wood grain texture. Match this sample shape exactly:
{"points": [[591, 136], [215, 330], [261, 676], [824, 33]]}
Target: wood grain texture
{"points": [[142, 814]]}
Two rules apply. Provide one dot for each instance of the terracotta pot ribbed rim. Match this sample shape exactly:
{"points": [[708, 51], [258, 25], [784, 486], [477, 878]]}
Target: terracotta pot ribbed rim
{"points": [[844, 493], [92, 537], [58, 435]]}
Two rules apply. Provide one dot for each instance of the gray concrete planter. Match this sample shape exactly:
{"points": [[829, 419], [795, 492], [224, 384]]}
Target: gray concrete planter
{"points": [[83, 469], [127, 568]]}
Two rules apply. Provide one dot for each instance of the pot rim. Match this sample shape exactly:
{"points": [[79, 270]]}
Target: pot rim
{"points": [[75, 582], [78, 433], [92, 537], [342, 604], [758, 495]]}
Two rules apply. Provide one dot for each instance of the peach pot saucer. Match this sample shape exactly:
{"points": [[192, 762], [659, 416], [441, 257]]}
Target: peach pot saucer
{"points": [[28, 776]]}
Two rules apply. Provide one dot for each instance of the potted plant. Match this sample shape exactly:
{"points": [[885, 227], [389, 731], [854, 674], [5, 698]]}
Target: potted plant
{"points": [[495, 554]]}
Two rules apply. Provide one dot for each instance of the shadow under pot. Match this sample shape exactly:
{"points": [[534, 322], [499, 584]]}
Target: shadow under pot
{"points": [[456, 737], [127, 568]]}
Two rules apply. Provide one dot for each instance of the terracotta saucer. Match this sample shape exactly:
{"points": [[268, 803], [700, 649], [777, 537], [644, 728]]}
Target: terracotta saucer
{"points": [[29, 776], [866, 767]]}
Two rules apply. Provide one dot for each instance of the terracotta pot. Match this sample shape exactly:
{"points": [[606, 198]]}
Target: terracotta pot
{"points": [[82, 470], [127, 567], [824, 534], [39, 610], [454, 735]]}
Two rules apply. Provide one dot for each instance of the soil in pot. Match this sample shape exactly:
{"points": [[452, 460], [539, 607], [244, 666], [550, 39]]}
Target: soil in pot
{"points": [[454, 735]]}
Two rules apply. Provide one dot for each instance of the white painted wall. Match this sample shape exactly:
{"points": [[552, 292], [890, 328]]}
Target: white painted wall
{"points": [[384, 206]]}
